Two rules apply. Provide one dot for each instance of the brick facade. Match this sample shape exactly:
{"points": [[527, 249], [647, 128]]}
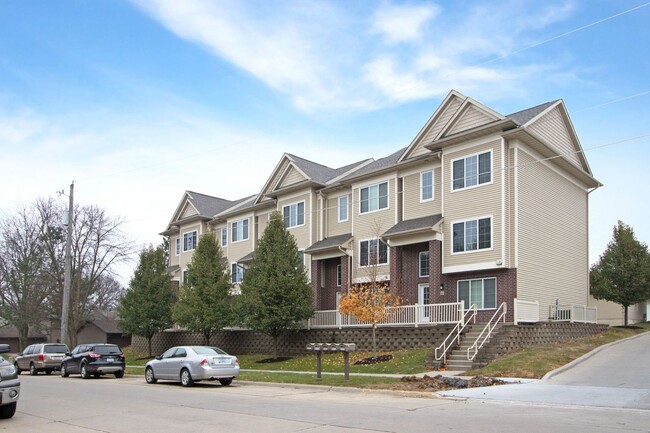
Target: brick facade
{"points": [[323, 281]]}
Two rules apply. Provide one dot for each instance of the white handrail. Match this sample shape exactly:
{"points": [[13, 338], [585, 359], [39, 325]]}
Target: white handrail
{"points": [[489, 328], [458, 329]]}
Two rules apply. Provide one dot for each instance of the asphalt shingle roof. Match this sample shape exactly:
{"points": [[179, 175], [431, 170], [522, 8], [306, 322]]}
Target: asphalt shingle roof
{"points": [[329, 243], [207, 205], [523, 116], [379, 164], [413, 225]]}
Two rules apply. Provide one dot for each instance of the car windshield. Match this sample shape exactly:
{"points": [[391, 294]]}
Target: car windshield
{"points": [[209, 351], [106, 350], [55, 348]]}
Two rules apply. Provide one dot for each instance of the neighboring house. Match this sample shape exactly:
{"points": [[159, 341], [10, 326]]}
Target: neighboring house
{"points": [[613, 314], [479, 207]]}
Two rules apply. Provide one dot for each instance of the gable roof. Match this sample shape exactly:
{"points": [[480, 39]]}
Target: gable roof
{"points": [[205, 207], [524, 116]]}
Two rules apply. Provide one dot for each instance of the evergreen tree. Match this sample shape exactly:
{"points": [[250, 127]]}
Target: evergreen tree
{"points": [[204, 304], [146, 307], [622, 274], [276, 295]]}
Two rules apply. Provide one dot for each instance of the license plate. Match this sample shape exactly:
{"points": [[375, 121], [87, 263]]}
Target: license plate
{"points": [[220, 361], [57, 358], [110, 359]]}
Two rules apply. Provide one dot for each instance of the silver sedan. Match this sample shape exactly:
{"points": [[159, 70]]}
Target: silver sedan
{"points": [[189, 364]]}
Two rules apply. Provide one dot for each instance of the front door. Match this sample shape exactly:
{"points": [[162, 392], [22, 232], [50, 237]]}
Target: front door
{"points": [[424, 299]]}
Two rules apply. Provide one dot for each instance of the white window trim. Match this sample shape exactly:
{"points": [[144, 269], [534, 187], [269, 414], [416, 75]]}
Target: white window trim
{"points": [[370, 264], [197, 240], [477, 250], [420, 264], [232, 275], [451, 184], [347, 208], [387, 182], [304, 214], [433, 186], [247, 234], [496, 291], [421, 287]]}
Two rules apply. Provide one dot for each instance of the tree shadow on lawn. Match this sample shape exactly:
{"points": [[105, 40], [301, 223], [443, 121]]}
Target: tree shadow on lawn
{"points": [[273, 360]]}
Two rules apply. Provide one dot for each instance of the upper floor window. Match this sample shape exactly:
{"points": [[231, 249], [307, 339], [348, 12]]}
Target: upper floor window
{"points": [[186, 277], [343, 208], [224, 236], [424, 264], [373, 197], [481, 291], [472, 170], [237, 273], [178, 246], [239, 230], [426, 185], [189, 241], [472, 235], [373, 252], [294, 215], [339, 276]]}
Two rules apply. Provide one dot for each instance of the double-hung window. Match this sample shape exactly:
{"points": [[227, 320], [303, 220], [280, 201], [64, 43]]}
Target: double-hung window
{"points": [[339, 276], [239, 230], [472, 235], [373, 197], [189, 241], [373, 252], [472, 170], [224, 236], [186, 277], [426, 185], [178, 246], [424, 264], [237, 273], [294, 215], [481, 291], [343, 208]]}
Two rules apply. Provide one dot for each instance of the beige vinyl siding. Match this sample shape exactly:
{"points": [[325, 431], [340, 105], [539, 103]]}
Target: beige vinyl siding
{"points": [[437, 127], [411, 188], [262, 223], [188, 211], [471, 118], [186, 256], [372, 224], [301, 233], [553, 129], [553, 262], [333, 226], [237, 250], [471, 203], [173, 258], [292, 176], [511, 208]]}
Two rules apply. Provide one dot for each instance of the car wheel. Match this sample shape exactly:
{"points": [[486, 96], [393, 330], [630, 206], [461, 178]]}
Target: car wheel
{"points": [[32, 370], [8, 410], [225, 382], [48, 372], [186, 378], [84, 372], [64, 371], [18, 370], [149, 376], [119, 374]]}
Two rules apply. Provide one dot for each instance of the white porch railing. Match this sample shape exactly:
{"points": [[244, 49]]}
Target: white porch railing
{"points": [[526, 311], [573, 313], [487, 331], [416, 315]]}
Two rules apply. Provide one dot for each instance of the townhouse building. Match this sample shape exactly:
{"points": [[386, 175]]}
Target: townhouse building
{"points": [[480, 207]]}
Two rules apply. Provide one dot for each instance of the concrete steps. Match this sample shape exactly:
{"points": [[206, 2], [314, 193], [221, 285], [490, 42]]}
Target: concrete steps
{"points": [[457, 358]]}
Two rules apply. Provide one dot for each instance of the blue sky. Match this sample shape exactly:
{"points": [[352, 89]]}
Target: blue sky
{"points": [[138, 101]]}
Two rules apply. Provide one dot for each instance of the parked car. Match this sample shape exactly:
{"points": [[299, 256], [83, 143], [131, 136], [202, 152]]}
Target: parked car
{"points": [[45, 357], [189, 364], [9, 385], [94, 360]]}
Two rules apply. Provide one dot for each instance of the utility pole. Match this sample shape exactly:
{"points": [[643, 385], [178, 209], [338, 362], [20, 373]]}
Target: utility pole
{"points": [[65, 310]]}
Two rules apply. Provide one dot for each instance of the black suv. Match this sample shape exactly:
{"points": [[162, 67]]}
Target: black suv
{"points": [[94, 360], [9, 386]]}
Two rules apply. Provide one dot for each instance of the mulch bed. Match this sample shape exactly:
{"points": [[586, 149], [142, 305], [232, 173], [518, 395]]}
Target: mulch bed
{"points": [[374, 360]]}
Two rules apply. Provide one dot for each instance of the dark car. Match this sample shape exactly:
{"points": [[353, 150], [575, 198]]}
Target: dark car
{"points": [[94, 360], [9, 386], [45, 357]]}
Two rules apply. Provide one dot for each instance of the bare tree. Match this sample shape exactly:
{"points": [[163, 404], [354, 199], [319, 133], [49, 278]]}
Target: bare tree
{"points": [[23, 289]]}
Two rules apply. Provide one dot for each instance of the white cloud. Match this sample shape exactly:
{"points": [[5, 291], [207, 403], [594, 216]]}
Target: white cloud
{"points": [[324, 56], [402, 23]]}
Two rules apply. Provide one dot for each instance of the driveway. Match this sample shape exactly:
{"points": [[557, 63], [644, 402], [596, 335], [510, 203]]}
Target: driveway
{"points": [[616, 375]]}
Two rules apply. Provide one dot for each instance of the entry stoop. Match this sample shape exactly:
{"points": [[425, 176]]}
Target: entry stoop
{"points": [[457, 358]]}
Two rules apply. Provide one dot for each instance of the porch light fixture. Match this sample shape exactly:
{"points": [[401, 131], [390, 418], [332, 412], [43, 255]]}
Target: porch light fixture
{"points": [[442, 289]]}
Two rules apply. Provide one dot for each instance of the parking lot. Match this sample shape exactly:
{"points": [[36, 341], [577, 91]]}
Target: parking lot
{"points": [[74, 405]]}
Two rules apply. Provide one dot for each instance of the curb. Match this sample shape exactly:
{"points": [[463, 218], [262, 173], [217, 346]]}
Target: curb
{"points": [[570, 365]]}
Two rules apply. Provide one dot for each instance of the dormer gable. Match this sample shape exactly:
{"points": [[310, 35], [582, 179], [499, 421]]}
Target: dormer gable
{"points": [[188, 210], [471, 114]]}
